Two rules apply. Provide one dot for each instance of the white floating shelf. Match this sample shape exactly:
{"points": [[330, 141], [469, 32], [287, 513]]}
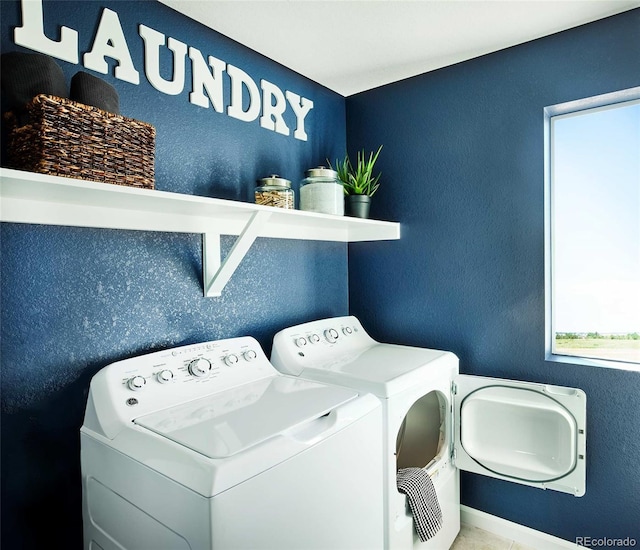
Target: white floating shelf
{"points": [[51, 200]]}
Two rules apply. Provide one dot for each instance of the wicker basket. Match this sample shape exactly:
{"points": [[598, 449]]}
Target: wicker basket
{"points": [[66, 138]]}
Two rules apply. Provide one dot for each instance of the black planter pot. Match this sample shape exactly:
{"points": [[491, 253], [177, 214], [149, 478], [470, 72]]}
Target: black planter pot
{"points": [[357, 206]]}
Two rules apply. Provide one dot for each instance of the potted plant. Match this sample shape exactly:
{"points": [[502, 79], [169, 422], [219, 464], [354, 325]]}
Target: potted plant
{"points": [[358, 182]]}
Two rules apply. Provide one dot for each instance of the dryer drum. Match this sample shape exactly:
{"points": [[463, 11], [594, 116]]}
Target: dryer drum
{"points": [[422, 435]]}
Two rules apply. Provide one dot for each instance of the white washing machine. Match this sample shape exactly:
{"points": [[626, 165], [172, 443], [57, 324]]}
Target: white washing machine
{"points": [[436, 419], [209, 447]]}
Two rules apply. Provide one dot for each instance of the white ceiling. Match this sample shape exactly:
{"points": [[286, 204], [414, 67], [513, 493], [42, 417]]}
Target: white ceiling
{"points": [[355, 45]]}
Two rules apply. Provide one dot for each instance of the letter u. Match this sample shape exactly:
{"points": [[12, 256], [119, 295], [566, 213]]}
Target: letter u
{"points": [[152, 42]]}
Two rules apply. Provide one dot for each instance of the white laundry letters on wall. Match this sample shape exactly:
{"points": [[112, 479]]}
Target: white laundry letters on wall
{"points": [[267, 101]]}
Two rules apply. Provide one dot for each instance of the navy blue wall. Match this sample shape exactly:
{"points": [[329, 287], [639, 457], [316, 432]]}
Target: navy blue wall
{"points": [[463, 171], [74, 299]]}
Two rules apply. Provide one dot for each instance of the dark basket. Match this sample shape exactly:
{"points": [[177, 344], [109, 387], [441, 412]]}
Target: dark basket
{"points": [[66, 138]]}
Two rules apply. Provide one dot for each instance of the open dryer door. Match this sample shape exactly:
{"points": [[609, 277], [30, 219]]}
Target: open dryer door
{"points": [[533, 434]]}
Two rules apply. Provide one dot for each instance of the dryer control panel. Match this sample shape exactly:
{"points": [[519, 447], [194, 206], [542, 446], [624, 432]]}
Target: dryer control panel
{"points": [[322, 344], [128, 389]]}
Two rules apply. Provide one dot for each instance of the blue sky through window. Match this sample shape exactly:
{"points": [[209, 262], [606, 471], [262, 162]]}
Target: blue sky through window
{"points": [[596, 220]]}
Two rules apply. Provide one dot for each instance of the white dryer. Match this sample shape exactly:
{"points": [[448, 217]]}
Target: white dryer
{"points": [[209, 447], [436, 419]]}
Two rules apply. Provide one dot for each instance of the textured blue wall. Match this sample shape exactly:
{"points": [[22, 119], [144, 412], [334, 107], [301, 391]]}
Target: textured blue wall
{"points": [[463, 171], [74, 299]]}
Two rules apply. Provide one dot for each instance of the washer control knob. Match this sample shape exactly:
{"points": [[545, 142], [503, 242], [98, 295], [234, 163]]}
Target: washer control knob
{"points": [[200, 367], [249, 355], [136, 383], [347, 331], [331, 335], [301, 341], [314, 338], [231, 360], [165, 376]]}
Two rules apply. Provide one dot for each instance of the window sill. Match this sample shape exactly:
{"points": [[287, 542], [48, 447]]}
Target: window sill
{"points": [[592, 362]]}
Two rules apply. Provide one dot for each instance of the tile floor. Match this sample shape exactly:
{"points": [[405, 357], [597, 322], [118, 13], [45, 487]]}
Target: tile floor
{"points": [[473, 538]]}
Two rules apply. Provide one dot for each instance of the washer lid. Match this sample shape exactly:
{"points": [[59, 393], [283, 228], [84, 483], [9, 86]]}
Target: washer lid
{"points": [[226, 423]]}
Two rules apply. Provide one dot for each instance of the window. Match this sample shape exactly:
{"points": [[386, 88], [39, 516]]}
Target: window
{"points": [[592, 211]]}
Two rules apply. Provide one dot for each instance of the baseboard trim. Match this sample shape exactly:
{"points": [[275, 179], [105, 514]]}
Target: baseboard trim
{"points": [[519, 533]]}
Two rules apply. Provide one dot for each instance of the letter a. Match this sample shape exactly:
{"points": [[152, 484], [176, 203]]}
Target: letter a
{"points": [[110, 42]]}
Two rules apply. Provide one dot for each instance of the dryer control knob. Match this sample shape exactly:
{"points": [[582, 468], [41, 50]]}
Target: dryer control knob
{"points": [[200, 367], [331, 335], [314, 338], [249, 355], [231, 360], [136, 383], [347, 331], [165, 376], [301, 341]]}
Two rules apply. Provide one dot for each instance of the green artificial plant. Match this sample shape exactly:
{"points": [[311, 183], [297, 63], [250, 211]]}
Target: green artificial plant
{"points": [[359, 180]]}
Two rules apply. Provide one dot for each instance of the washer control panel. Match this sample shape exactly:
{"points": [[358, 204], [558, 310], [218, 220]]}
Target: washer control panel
{"points": [[324, 341], [147, 383]]}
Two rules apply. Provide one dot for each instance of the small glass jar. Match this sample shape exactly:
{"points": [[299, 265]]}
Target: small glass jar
{"points": [[275, 191], [322, 191]]}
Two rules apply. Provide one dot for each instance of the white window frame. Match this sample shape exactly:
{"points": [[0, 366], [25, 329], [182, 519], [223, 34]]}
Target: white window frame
{"points": [[603, 101]]}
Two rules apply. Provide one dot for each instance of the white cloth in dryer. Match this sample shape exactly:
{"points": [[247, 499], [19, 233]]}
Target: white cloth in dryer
{"points": [[416, 484]]}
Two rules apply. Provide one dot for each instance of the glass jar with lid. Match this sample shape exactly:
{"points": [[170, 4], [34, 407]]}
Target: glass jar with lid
{"points": [[322, 191], [275, 191]]}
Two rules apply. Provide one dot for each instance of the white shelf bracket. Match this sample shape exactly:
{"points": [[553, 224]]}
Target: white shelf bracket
{"points": [[216, 273]]}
